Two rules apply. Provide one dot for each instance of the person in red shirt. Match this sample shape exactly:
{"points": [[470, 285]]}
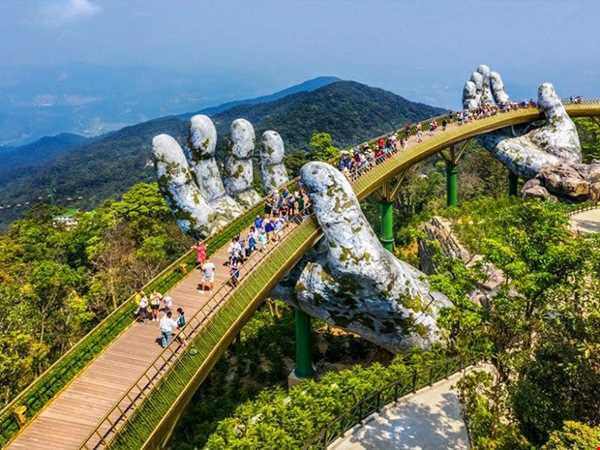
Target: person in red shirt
{"points": [[200, 252]]}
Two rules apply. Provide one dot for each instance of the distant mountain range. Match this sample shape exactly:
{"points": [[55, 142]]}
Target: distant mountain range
{"points": [[91, 100], [25, 157], [89, 171], [307, 86]]}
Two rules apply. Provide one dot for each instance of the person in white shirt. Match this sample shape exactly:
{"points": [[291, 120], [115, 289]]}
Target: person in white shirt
{"points": [[208, 276], [167, 327], [168, 302]]}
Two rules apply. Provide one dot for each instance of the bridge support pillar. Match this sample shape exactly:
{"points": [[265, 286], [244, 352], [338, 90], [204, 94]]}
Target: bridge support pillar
{"points": [[304, 368], [513, 184], [451, 183], [386, 235]]}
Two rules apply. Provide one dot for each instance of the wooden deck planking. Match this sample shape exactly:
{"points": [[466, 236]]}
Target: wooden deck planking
{"points": [[76, 411]]}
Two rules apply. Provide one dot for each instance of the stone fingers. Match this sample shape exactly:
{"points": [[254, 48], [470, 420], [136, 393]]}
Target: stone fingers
{"points": [[203, 141], [193, 214], [273, 171], [239, 173], [497, 87]]}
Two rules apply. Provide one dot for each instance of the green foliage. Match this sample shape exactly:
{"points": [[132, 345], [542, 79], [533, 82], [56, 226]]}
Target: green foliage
{"points": [[541, 329], [574, 436], [322, 147], [589, 136], [286, 420], [485, 404], [259, 361], [59, 281]]}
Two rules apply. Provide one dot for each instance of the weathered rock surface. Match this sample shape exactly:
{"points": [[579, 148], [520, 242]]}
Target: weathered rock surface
{"points": [[550, 153], [440, 236], [238, 165], [191, 182], [358, 284], [273, 171], [533, 189], [554, 143], [203, 141], [192, 212]]}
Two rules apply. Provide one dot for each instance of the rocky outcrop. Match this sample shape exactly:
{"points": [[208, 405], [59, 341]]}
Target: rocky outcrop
{"points": [[439, 237], [357, 284]]}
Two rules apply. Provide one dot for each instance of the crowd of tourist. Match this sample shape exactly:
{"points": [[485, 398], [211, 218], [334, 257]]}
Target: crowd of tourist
{"points": [[283, 206], [149, 308], [488, 110]]}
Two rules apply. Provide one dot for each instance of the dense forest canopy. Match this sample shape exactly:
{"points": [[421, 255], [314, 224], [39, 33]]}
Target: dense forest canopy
{"points": [[59, 278]]}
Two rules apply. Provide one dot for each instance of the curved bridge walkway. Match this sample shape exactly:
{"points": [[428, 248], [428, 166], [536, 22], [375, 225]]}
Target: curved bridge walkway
{"points": [[586, 221], [96, 404], [428, 419]]}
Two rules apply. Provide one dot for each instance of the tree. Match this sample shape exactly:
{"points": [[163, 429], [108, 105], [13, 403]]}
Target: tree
{"points": [[322, 147], [574, 436], [21, 357]]}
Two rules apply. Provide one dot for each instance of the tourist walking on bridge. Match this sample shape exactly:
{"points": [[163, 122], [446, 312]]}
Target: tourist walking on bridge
{"points": [[167, 327], [208, 276], [142, 306], [155, 305], [200, 249]]}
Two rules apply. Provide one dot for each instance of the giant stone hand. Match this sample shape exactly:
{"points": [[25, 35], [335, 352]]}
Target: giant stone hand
{"points": [[191, 181], [549, 155], [358, 284]]}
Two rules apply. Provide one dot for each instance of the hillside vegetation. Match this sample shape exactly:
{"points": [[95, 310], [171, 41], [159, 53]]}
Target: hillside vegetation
{"points": [[349, 111]]}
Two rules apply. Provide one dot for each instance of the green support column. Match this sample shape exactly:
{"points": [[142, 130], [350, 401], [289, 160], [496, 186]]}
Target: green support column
{"points": [[386, 236], [513, 184], [451, 184], [304, 367]]}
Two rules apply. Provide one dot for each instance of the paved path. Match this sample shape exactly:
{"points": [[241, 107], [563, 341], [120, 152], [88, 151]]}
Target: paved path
{"points": [[586, 221], [427, 420]]}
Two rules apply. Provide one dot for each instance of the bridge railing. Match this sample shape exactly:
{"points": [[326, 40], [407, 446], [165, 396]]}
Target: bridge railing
{"points": [[58, 376], [128, 408], [173, 368], [418, 377]]}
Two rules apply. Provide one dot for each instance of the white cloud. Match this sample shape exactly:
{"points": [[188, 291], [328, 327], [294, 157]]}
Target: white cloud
{"points": [[61, 12]]}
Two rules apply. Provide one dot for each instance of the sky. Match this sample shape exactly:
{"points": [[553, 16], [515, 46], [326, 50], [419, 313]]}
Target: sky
{"points": [[423, 50]]}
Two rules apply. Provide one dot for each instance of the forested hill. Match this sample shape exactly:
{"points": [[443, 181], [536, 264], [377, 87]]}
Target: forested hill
{"points": [[307, 86], [13, 159], [351, 112], [105, 168]]}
